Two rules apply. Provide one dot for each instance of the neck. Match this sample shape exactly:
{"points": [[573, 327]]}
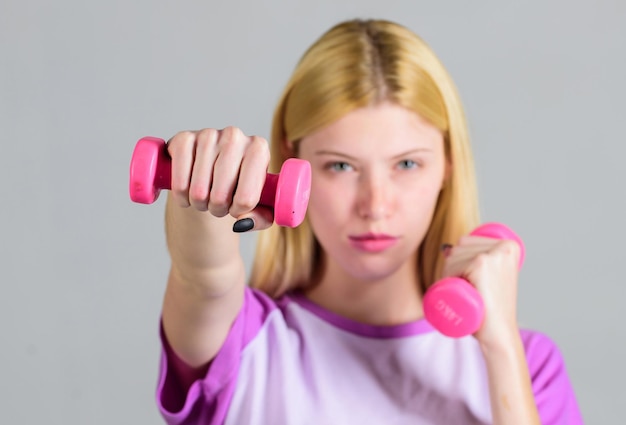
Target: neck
{"points": [[389, 300]]}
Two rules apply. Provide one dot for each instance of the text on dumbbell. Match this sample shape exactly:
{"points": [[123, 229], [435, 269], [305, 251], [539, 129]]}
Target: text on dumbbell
{"points": [[448, 312]]}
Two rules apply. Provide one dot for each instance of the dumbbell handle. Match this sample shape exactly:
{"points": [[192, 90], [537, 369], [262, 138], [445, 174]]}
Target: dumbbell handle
{"points": [[151, 172]]}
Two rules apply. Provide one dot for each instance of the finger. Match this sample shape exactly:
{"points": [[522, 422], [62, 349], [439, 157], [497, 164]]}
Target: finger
{"points": [[251, 177], [494, 247], [465, 261], [181, 149], [476, 241], [231, 145], [510, 250], [457, 264], [204, 160], [460, 257]]}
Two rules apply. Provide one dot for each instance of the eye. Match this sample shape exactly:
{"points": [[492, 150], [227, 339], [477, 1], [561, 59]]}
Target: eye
{"points": [[407, 164], [338, 166]]}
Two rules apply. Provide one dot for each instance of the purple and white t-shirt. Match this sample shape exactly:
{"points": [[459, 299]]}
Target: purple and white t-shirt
{"points": [[289, 361]]}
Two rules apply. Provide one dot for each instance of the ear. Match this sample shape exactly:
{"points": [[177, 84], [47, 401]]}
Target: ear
{"points": [[288, 149]]}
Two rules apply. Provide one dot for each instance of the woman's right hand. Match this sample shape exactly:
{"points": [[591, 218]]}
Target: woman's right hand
{"points": [[222, 172], [215, 173]]}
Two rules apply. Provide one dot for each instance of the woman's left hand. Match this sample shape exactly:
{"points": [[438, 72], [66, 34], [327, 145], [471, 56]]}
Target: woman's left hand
{"points": [[491, 266]]}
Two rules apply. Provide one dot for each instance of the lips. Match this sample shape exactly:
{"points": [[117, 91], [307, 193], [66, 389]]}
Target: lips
{"points": [[373, 242]]}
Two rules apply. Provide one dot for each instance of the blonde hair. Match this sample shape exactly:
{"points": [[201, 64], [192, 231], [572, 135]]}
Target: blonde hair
{"points": [[355, 64]]}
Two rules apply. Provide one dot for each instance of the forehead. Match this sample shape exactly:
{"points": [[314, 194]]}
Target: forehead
{"points": [[383, 128]]}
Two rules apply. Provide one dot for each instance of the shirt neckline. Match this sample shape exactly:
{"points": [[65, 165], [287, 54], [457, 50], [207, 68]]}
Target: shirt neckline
{"points": [[417, 327]]}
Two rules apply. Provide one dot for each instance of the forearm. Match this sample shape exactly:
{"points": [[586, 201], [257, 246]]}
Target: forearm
{"points": [[511, 394], [195, 322], [206, 283]]}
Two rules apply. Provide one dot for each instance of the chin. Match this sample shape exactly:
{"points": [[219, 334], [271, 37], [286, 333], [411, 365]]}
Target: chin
{"points": [[375, 269], [373, 275]]}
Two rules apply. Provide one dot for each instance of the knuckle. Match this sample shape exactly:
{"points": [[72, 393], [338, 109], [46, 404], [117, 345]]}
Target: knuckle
{"points": [[259, 142], [231, 133], [219, 202], [509, 248], [200, 206], [179, 188], [259, 148], [244, 201], [510, 245], [179, 193], [216, 210], [481, 259], [207, 135], [198, 193], [186, 136], [180, 139]]}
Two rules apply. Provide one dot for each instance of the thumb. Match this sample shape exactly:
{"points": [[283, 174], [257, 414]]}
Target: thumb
{"points": [[259, 218]]}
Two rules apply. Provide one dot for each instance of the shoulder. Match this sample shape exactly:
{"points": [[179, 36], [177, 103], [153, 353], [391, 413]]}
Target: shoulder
{"points": [[209, 396], [542, 352], [537, 342], [554, 393]]}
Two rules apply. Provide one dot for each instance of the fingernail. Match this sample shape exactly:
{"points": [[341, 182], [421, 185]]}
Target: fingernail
{"points": [[445, 249], [243, 225]]}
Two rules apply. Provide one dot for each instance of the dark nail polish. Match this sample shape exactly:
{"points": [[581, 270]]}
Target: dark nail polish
{"points": [[445, 249], [243, 225]]}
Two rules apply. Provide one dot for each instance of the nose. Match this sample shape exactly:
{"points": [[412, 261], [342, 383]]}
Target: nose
{"points": [[375, 197]]}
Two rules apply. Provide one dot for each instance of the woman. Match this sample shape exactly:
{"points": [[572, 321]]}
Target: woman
{"points": [[331, 327]]}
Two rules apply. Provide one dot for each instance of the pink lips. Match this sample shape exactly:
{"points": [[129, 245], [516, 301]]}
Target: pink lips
{"points": [[373, 242]]}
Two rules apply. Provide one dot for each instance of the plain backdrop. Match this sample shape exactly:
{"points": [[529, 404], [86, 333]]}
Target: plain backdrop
{"points": [[83, 269]]}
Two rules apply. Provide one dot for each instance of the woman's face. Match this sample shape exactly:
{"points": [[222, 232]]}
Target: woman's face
{"points": [[377, 173]]}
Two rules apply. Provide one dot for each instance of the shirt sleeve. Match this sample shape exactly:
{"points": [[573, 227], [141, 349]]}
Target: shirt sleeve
{"points": [[208, 399], [554, 394]]}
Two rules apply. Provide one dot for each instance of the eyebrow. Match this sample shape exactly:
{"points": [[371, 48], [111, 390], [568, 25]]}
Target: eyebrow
{"points": [[400, 155]]}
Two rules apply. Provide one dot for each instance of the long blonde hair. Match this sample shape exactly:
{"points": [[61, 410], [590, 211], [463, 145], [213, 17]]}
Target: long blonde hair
{"points": [[355, 64]]}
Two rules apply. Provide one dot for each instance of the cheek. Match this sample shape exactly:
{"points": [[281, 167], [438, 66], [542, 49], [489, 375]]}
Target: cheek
{"points": [[329, 195], [329, 210], [420, 199]]}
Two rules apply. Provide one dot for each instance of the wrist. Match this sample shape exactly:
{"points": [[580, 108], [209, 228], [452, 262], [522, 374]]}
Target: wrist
{"points": [[506, 341]]}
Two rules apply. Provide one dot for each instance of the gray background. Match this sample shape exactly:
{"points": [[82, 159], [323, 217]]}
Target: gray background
{"points": [[83, 269]]}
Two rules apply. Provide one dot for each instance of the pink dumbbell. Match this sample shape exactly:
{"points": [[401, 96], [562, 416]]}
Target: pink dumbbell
{"points": [[286, 193], [452, 305]]}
